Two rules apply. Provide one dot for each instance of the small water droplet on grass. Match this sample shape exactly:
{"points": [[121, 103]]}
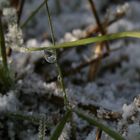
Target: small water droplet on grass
{"points": [[50, 56]]}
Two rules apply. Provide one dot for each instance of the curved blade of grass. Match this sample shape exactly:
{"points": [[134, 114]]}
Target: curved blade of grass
{"points": [[22, 116], [96, 123], [59, 128], [90, 40], [6, 80], [33, 14]]}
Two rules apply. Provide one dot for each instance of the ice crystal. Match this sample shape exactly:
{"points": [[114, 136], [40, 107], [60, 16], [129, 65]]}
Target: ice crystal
{"points": [[9, 102], [14, 36]]}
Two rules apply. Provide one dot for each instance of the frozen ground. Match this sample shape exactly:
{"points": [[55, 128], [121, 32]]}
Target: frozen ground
{"points": [[116, 90]]}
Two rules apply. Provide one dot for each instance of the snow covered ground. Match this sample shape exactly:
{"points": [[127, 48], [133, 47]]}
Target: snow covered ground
{"points": [[116, 90]]}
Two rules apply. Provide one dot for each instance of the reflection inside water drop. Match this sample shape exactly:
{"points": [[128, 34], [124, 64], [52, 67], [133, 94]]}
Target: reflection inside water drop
{"points": [[50, 56]]}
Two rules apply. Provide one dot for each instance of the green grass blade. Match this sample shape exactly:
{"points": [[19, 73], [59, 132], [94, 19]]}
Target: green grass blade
{"points": [[90, 40], [6, 80], [33, 14], [22, 117], [96, 123], [3, 47], [60, 74], [50, 23], [59, 128]]}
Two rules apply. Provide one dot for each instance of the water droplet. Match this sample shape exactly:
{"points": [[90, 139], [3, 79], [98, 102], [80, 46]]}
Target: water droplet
{"points": [[50, 56]]}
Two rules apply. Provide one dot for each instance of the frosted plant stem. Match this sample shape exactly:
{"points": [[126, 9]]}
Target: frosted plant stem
{"points": [[42, 127], [60, 78]]}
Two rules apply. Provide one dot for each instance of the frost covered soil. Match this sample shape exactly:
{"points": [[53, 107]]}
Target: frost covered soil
{"points": [[114, 97]]}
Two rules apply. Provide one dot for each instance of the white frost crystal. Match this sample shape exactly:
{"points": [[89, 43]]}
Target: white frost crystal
{"points": [[132, 112], [8, 102], [131, 109], [10, 15], [128, 110], [122, 8], [14, 36]]}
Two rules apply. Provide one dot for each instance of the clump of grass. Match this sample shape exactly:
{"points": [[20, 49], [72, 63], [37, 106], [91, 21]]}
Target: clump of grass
{"points": [[6, 81], [5, 78]]}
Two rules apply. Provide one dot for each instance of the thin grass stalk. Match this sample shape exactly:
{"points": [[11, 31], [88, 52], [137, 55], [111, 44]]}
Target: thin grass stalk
{"points": [[33, 14], [20, 10], [94, 11], [93, 69], [3, 47], [50, 23], [60, 78], [98, 134]]}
